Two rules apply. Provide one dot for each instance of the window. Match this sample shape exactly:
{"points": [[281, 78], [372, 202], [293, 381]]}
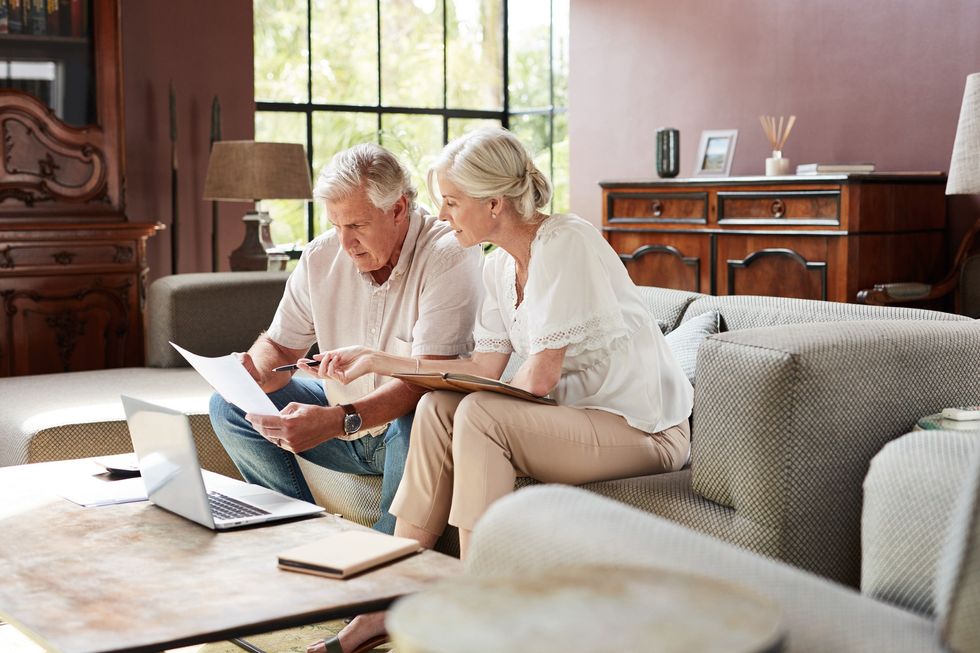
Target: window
{"points": [[411, 75]]}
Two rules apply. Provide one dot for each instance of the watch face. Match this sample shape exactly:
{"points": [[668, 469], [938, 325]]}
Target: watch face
{"points": [[352, 423]]}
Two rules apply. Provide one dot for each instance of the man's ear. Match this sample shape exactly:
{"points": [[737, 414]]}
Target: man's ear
{"points": [[401, 210]]}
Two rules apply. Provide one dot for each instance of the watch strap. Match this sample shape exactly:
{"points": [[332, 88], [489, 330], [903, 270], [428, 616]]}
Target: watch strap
{"points": [[349, 409]]}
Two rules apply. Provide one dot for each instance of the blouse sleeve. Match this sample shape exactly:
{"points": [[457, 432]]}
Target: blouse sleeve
{"points": [[570, 298], [490, 331]]}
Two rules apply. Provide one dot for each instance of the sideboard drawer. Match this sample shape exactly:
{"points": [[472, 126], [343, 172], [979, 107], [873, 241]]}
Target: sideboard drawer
{"points": [[31, 256], [658, 207], [817, 207]]}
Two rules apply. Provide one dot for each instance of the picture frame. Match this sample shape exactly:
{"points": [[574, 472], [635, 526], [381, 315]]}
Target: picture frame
{"points": [[715, 152]]}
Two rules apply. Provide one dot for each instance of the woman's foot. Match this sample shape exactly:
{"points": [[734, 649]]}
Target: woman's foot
{"points": [[363, 629]]}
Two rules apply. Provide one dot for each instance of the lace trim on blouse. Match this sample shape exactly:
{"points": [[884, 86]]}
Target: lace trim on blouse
{"points": [[493, 345], [596, 332]]}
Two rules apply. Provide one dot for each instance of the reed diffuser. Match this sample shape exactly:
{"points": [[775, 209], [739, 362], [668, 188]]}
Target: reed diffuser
{"points": [[773, 127]]}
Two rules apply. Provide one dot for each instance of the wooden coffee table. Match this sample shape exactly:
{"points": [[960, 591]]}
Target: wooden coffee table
{"points": [[135, 577]]}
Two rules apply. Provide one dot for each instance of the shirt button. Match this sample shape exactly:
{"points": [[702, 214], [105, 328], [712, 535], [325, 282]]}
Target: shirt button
{"points": [[373, 330]]}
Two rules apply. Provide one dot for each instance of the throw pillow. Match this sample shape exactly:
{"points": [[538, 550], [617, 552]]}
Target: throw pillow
{"points": [[685, 340]]}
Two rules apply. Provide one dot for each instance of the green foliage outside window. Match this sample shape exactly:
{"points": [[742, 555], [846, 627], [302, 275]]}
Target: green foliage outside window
{"points": [[432, 85]]}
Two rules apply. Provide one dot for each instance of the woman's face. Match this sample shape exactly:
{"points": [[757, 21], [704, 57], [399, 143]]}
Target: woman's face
{"points": [[469, 217]]}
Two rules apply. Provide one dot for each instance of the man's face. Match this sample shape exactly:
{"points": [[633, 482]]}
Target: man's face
{"points": [[369, 235]]}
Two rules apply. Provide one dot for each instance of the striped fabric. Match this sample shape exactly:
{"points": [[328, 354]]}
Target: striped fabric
{"points": [[909, 494]]}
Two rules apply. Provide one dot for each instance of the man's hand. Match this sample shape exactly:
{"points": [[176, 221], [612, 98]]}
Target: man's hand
{"points": [[299, 427], [344, 364]]}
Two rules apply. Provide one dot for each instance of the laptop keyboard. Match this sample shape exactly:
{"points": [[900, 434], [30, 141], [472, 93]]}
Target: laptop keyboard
{"points": [[224, 507]]}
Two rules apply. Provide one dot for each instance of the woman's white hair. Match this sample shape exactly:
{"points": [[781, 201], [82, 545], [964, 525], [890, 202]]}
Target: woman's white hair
{"points": [[492, 162], [383, 176]]}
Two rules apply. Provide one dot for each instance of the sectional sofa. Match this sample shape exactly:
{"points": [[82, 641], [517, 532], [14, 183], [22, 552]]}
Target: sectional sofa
{"points": [[792, 400]]}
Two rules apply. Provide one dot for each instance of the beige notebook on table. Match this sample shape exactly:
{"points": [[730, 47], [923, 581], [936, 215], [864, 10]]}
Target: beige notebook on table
{"points": [[348, 553]]}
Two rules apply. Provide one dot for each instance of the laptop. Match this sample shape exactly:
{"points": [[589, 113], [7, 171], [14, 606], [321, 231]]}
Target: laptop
{"points": [[164, 447]]}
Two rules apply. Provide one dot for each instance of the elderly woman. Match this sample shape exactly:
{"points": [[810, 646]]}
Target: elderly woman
{"points": [[558, 296]]}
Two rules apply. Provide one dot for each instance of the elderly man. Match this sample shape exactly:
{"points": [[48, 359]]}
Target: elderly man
{"points": [[387, 276]]}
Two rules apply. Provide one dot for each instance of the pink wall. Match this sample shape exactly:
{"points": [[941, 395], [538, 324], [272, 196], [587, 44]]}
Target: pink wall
{"points": [[205, 48], [877, 80]]}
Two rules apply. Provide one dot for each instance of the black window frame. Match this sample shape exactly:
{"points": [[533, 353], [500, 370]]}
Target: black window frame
{"points": [[504, 114]]}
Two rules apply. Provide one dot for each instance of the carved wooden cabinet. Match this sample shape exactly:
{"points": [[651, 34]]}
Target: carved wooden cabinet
{"points": [[820, 237], [72, 267]]}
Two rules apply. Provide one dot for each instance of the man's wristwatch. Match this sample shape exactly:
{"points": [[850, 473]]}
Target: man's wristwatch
{"points": [[352, 419]]}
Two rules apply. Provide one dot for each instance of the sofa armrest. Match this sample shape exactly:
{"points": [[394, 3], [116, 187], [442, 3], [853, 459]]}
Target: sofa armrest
{"points": [[549, 527], [787, 419], [909, 495], [211, 314]]}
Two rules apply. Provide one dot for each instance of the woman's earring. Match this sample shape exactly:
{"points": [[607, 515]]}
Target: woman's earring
{"points": [[493, 215]]}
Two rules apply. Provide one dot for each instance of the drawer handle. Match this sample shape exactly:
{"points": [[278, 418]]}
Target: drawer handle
{"points": [[657, 207], [777, 208], [63, 258]]}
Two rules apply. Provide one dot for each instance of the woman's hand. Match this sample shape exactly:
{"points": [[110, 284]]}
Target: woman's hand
{"points": [[345, 364]]}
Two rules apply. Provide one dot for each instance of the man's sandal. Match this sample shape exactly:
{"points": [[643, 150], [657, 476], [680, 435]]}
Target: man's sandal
{"points": [[332, 645]]}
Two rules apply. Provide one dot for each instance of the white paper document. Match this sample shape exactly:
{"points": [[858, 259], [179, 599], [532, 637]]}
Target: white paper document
{"points": [[231, 380], [100, 490]]}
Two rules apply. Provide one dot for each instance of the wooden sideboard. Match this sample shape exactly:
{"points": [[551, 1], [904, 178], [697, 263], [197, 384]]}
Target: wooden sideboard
{"points": [[820, 237], [72, 267]]}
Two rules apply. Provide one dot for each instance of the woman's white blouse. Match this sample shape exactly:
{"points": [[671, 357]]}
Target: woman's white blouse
{"points": [[578, 295]]}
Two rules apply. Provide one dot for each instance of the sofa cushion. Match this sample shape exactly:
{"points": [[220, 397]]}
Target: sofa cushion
{"points": [[665, 305], [909, 494], [685, 340], [78, 414]]}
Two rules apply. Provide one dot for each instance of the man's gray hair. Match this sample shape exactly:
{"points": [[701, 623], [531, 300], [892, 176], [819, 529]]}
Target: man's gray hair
{"points": [[384, 177]]}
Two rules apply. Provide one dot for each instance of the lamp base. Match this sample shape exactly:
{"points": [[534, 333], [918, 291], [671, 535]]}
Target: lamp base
{"points": [[252, 254]]}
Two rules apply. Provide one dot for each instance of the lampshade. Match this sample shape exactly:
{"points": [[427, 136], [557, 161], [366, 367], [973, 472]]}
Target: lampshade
{"points": [[964, 168], [247, 171]]}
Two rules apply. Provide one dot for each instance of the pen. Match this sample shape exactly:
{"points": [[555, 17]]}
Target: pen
{"points": [[293, 366]]}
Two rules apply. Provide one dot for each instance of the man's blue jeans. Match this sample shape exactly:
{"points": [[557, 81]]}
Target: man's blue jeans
{"points": [[263, 463]]}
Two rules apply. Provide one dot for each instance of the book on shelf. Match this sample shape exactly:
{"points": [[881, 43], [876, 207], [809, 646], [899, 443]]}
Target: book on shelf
{"points": [[469, 383], [833, 168]]}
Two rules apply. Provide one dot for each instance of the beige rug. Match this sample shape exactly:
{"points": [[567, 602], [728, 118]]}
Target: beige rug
{"points": [[293, 640]]}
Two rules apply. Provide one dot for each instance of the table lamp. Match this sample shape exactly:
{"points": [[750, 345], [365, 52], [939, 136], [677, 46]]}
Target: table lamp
{"points": [[964, 179], [247, 171]]}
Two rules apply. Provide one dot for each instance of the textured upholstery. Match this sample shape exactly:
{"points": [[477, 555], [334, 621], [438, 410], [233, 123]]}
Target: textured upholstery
{"points": [[549, 527], [909, 494], [748, 311], [686, 339], [789, 450], [958, 577], [210, 314], [666, 305], [78, 414]]}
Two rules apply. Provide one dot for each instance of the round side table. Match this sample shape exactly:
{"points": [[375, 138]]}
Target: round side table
{"points": [[585, 610], [937, 422]]}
